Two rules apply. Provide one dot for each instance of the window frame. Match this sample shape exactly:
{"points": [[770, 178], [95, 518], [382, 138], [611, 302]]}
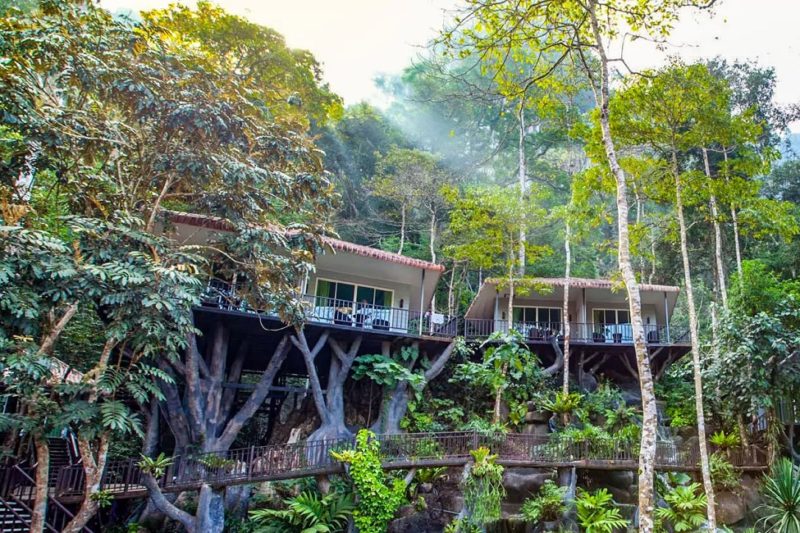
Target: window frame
{"points": [[355, 290]]}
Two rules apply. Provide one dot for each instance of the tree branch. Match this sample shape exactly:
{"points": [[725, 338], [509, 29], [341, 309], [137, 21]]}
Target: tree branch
{"points": [[256, 397]]}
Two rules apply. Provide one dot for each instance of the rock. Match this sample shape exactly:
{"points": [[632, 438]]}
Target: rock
{"points": [[730, 508], [621, 495], [621, 479], [416, 523], [588, 382], [750, 494], [537, 416], [521, 482], [537, 429]]}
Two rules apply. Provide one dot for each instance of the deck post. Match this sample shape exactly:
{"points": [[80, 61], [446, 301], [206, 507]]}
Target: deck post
{"points": [[421, 301], [250, 462], [666, 316]]}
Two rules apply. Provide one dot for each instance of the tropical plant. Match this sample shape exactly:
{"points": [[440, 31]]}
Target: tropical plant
{"points": [[725, 441], [483, 488], [155, 466], [562, 404], [723, 474], [547, 506], [378, 498], [780, 512], [686, 509], [306, 513], [597, 512]]}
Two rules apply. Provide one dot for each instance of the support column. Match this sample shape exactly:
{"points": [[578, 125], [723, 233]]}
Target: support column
{"points": [[666, 316], [421, 300]]}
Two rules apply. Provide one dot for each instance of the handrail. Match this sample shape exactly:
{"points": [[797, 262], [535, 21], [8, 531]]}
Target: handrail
{"points": [[400, 450], [20, 472], [595, 332]]}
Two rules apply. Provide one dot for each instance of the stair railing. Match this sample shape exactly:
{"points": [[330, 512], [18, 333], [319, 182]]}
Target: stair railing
{"points": [[59, 507]]}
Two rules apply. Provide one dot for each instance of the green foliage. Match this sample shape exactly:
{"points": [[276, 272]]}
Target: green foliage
{"points": [[686, 508], [547, 505], [306, 513], [678, 393], [563, 404], [780, 512], [723, 474], [725, 441], [483, 488], [378, 499], [597, 512], [155, 466], [507, 367], [104, 498]]}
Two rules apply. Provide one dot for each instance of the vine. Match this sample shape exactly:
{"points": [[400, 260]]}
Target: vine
{"points": [[377, 499]]}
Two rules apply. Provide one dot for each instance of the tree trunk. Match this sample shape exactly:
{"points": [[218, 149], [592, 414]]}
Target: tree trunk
{"points": [[565, 311], [94, 463], [735, 220], [696, 364], [498, 395], [523, 187], [723, 288], [395, 401], [402, 228], [649, 414], [39, 511], [210, 514]]}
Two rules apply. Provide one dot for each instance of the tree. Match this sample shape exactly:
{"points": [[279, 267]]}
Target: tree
{"points": [[577, 31], [129, 121], [486, 225], [402, 376], [413, 180], [662, 112]]}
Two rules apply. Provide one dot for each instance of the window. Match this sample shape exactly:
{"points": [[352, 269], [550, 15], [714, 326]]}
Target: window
{"points": [[349, 294], [532, 315], [611, 316]]}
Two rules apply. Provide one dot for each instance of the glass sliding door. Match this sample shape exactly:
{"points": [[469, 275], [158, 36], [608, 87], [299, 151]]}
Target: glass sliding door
{"points": [[351, 304], [613, 325]]}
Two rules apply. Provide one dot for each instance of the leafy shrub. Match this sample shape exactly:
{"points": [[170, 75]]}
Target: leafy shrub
{"points": [[780, 512], [306, 513], [157, 466], [725, 441], [597, 512], [723, 475], [562, 404], [378, 499], [547, 506], [686, 509], [483, 488]]}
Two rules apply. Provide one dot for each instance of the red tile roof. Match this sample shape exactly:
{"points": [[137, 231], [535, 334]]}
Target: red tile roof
{"points": [[589, 283], [220, 224]]}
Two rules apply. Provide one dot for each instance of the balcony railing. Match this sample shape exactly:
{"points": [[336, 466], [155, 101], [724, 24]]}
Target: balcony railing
{"points": [[592, 332], [347, 313]]}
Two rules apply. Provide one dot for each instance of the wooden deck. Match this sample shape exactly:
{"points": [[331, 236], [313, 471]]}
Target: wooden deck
{"points": [[122, 479]]}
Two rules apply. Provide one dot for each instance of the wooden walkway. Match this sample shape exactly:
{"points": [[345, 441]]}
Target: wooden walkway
{"points": [[122, 479]]}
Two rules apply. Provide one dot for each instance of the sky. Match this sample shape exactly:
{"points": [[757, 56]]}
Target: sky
{"points": [[357, 40]]}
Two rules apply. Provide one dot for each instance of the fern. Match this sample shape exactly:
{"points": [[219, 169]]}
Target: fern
{"points": [[306, 513], [597, 512]]}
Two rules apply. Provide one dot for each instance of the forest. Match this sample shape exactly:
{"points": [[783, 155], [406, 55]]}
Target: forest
{"points": [[518, 159]]}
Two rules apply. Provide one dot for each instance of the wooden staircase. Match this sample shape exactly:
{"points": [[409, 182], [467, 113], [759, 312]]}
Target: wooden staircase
{"points": [[14, 516]]}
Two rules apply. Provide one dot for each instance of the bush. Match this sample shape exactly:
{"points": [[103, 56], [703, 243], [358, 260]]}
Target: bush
{"points": [[597, 512], [306, 512], [780, 512], [547, 506], [686, 509], [723, 475]]}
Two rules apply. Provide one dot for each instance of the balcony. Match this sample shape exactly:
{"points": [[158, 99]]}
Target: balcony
{"points": [[347, 313], [595, 333]]}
